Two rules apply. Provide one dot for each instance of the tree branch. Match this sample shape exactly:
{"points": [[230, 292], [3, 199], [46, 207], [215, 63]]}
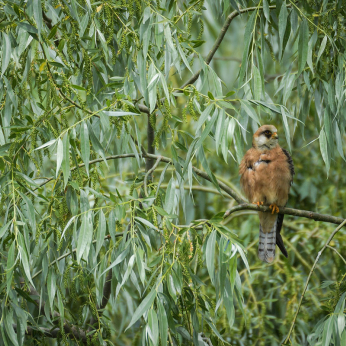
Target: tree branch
{"points": [[54, 333], [308, 279], [202, 174], [150, 149], [242, 205], [289, 211], [106, 295]]}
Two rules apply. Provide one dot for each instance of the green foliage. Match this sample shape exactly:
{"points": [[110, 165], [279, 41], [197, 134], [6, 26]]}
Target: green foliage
{"points": [[94, 249]]}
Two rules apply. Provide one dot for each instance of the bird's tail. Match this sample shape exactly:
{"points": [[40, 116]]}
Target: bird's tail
{"points": [[267, 243]]}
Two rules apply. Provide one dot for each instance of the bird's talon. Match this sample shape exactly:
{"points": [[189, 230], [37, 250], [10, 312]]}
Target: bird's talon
{"points": [[274, 208], [258, 203]]}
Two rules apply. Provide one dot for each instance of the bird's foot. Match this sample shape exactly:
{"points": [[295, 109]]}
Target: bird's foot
{"points": [[274, 208], [258, 203]]}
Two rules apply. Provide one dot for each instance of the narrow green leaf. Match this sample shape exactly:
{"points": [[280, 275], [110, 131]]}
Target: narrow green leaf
{"points": [[204, 116], [85, 235], [247, 39], [8, 321], [210, 255], [96, 144], [101, 232], [208, 128], [145, 222], [327, 331], [119, 259], [143, 307], [250, 111], [4, 228], [37, 9], [48, 144], [182, 55], [324, 150], [154, 327], [322, 47], [282, 26], [59, 156], [338, 139], [328, 127], [286, 127], [219, 127], [10, 266], [66, 159], [257, 83], [303, 46], [51, 287], [25, 262], [266, 10], [85, 145], [6, 52], [163, 322]]}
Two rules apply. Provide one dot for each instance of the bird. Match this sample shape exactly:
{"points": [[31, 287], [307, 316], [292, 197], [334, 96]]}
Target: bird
{"points": [[266, 175]]}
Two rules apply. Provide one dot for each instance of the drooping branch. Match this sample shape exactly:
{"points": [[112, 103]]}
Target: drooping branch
{"points": [[215, 47]]}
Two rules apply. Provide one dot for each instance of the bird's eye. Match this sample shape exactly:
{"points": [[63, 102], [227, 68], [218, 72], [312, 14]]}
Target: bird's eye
{"points": [[267, 132]]}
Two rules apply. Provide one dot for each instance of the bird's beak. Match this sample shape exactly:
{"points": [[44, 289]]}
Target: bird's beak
{"points": [[275, 135]]}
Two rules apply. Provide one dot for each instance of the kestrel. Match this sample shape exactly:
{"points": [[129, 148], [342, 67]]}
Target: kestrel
{"points": [[266, 177]]}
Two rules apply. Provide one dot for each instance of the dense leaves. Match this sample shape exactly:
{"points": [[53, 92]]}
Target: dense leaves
{"points": [[96, 249]]}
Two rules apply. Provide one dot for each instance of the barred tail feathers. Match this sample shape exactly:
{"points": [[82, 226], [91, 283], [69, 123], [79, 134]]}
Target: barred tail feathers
{"points": [[267, 243]]}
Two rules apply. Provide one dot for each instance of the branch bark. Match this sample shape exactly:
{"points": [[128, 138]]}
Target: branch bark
{"points": [[106, 295], [54, 333], [289, 211], [151, 149]]}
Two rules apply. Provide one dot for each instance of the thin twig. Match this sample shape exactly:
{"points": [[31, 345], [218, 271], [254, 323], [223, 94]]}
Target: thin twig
{"points": [[308, 279], [334, 249], [151, 170]]}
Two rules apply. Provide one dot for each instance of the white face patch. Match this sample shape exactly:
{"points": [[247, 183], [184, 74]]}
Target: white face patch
{"points": [[264, 143], [261, 140]]}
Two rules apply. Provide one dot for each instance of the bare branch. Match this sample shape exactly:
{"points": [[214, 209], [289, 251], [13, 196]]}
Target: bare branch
{"points": [[151, 148], [289, 211]]}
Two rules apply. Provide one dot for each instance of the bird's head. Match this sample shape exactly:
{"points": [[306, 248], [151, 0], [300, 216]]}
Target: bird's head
{"points": [[265, 138]]}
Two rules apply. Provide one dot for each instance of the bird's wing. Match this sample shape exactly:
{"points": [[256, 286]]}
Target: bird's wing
{"points": [[280, 219], [247, 172], [290, 163]]}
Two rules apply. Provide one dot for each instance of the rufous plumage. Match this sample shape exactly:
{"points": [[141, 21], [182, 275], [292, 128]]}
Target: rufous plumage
{"points": [[266, 177]]}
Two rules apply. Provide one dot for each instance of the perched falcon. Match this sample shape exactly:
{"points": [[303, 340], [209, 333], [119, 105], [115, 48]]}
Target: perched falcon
{"points": [[266, 177]]}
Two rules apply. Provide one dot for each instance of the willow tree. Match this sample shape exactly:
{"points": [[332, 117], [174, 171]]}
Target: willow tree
{"points": [[111, 119]]}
